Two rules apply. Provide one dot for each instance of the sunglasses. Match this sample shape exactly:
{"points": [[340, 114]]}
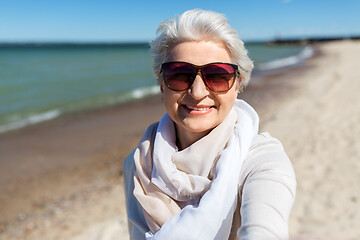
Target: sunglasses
{"points": [[218, 77]]}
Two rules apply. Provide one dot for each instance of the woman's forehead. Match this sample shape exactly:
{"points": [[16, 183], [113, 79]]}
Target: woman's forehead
{"points": [[199, 52]]}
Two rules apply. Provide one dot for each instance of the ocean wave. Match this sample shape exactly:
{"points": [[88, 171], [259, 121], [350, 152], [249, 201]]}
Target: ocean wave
{"points": [[19, 121], [37, 118], [137, 93], [306, 53], [143, 92]]}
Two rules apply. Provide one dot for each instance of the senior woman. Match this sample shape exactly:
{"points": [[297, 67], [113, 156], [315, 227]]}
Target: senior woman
{"points": [[203, 171]]}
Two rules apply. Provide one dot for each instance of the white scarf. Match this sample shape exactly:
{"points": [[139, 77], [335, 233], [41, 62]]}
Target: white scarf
{"points": [[176, 190]]}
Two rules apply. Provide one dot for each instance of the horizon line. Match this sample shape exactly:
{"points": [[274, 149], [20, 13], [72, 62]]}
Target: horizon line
{"points": [[143, 42]]}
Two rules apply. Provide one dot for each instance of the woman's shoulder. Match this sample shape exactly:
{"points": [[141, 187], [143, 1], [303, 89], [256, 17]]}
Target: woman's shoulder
{"points": [[129, 166], [267, 154], [265, 144], [264, 140]]}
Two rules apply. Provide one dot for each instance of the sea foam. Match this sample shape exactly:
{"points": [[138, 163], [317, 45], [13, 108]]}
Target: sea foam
{"points": [[143, 92], [37, 118], [19, 122]]}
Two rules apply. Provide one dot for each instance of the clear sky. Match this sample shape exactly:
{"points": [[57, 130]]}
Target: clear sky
{"points": [[137, 20]]}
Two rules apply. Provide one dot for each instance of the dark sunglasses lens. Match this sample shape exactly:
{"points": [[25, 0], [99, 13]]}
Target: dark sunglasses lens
{"points": [[219, 77], [178, 76]]}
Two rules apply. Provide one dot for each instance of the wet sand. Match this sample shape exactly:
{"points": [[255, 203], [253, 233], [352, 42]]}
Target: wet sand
{"points": [[62, 179]]}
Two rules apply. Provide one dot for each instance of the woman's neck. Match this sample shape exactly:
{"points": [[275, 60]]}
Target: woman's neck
{"points": [[184, 138]]}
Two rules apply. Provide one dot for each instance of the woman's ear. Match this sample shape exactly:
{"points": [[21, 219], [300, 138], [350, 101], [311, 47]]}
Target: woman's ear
{"points": [[238, 85], [161, 88], [161, 83], [162, 91]]}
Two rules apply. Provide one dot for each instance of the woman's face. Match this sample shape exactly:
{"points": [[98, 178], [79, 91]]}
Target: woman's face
{"points": [[198, 110]]}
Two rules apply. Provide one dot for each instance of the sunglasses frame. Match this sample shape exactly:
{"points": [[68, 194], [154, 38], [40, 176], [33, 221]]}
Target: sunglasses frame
{"points": [[200, 69]]}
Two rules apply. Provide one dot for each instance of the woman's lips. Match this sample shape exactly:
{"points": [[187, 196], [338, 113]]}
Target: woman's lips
{"points": [[197, 109]]}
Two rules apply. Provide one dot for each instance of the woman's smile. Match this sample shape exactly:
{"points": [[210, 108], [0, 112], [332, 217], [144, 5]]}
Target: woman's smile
{"points": [[198, 109]]}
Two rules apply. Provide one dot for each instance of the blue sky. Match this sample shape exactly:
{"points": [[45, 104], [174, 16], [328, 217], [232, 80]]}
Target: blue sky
{"points": [[137, 20]]}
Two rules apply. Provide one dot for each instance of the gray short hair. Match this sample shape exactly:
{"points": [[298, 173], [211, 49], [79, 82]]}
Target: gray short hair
{"points": [[197, 25]]}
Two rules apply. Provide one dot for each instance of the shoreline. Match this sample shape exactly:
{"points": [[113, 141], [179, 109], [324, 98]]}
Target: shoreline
{"points": [[62, 177]]}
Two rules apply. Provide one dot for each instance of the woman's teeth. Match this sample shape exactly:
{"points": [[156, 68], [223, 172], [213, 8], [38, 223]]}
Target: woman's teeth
{"points": [[198, 108]]}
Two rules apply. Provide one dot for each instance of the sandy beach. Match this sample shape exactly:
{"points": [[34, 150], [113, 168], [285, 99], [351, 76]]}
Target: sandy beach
{"points": [[62, 179]]}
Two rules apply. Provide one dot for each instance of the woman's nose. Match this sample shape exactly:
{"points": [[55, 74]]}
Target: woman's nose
{"points": [[198, 89]]}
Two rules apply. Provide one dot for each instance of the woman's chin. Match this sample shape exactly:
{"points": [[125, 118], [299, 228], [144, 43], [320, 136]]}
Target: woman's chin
{"points": [[198, 128]]}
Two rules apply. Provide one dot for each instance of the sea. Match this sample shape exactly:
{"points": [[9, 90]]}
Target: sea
{"points": [[39, 82]]}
